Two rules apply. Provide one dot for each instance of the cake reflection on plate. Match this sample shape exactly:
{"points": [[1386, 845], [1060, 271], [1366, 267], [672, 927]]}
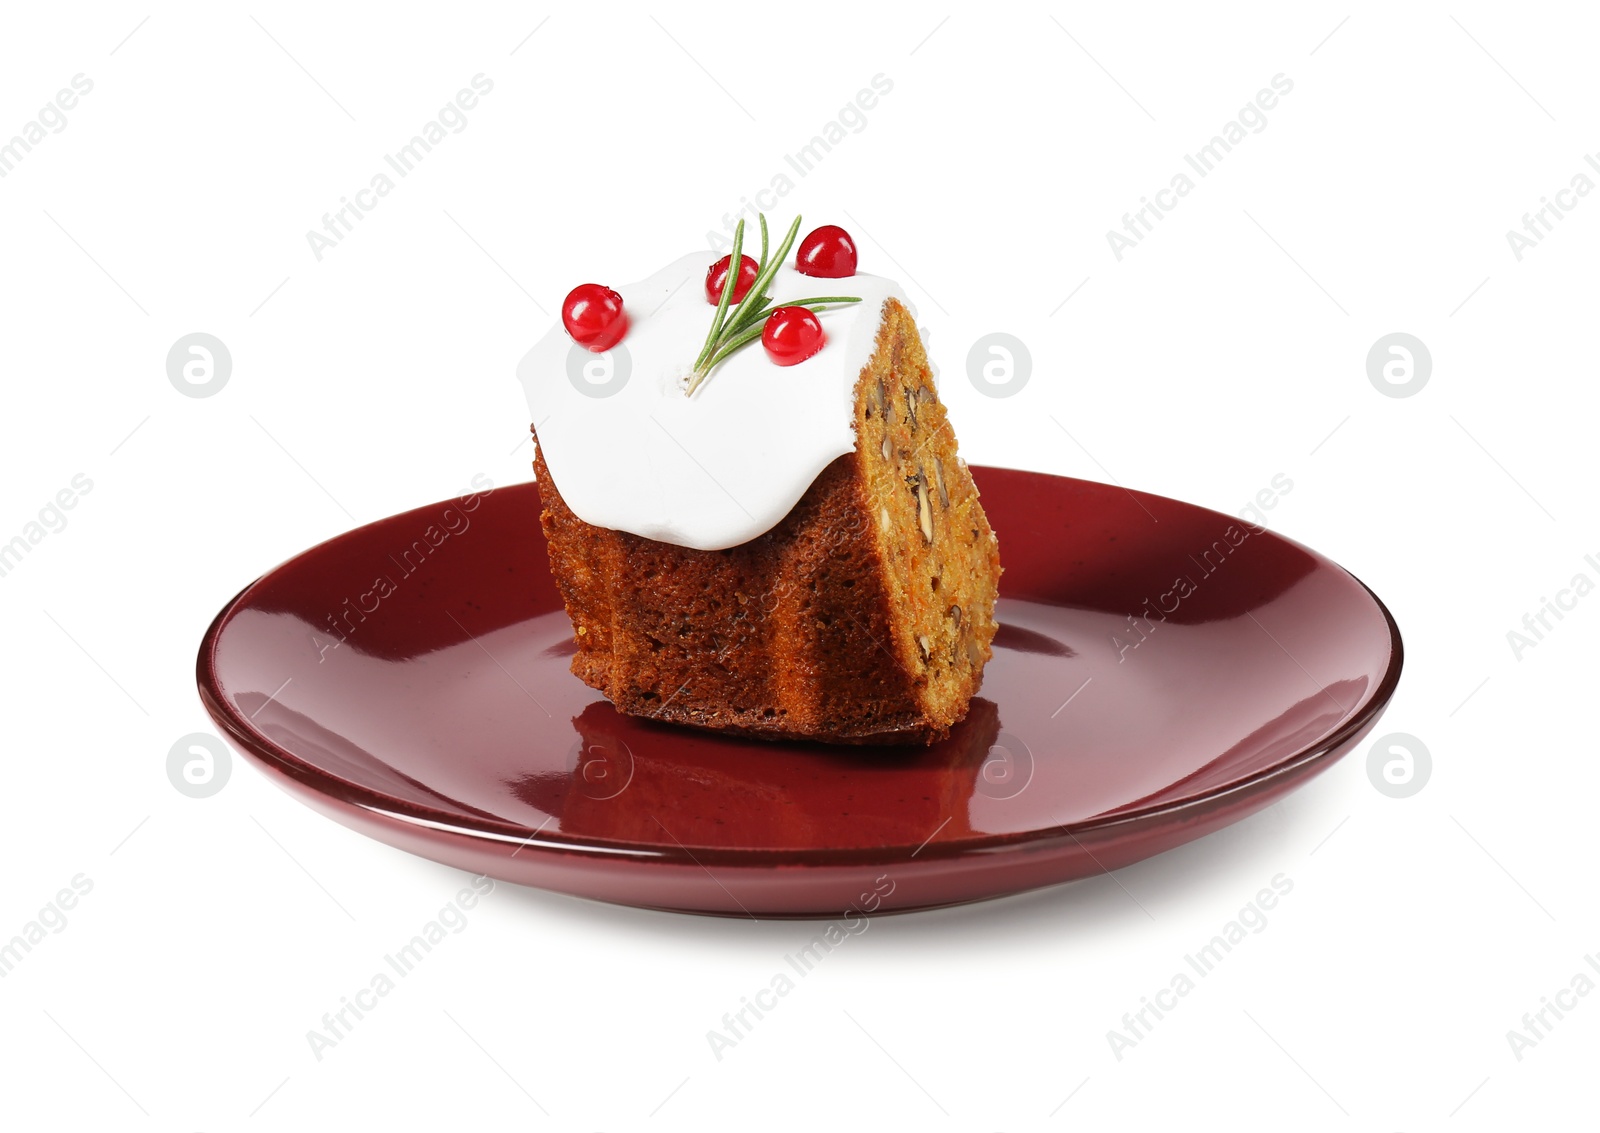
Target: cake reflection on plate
{"points": [[708, 791]]}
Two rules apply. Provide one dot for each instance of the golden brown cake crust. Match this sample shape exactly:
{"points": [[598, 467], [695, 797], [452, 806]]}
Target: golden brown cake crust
{"points": [[848, 622]]}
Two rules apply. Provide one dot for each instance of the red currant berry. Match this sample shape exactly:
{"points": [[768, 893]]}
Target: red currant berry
{"points": [[594, 317], [717, 279], [827, 253], [792, 334]]}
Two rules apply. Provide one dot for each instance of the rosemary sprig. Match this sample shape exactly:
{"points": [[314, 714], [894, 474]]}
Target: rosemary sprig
{"points": [[727, 289], [750, 333], [764, 271], [730, 331]]}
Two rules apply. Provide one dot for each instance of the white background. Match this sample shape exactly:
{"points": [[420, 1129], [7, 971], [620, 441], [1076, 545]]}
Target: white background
{"points": [[1228, 347]]}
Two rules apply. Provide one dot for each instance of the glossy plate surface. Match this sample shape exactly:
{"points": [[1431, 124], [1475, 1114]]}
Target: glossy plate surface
{"points": [[1161, 670]]}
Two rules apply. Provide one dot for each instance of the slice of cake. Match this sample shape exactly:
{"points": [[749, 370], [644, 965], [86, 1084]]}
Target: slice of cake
{"points": [[771, 537]]}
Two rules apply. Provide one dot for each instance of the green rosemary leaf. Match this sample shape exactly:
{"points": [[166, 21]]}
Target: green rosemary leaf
{"points": [[757, 311], [734, 343], [727, 295], [764, 280], [740, 338]]}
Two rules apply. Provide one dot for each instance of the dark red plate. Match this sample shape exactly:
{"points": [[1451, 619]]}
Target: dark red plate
{"points": [[1161, 671]]}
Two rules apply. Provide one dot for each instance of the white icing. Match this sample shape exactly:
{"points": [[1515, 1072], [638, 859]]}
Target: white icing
{"points": [[721, 467]]}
